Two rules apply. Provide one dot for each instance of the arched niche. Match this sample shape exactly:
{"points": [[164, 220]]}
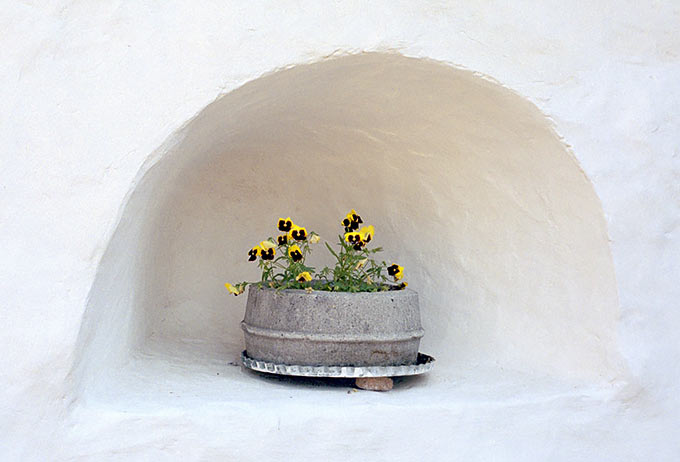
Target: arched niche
{"points": [[466, 182]]}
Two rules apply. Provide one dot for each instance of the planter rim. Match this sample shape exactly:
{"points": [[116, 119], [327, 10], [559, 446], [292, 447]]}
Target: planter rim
{"points": [[293, 291]]}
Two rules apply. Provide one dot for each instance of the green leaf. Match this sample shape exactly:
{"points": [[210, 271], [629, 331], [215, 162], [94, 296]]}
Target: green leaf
{"points": [[332, 251]]}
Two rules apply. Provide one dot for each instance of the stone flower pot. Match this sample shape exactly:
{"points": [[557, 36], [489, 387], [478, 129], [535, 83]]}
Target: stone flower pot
{"points": [[323, 328]]}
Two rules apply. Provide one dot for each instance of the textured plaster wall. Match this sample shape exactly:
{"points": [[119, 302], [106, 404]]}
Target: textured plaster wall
{"points": [[92, 90]]}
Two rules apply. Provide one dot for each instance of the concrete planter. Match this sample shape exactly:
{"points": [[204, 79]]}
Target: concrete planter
{"points": [[332, 328]]}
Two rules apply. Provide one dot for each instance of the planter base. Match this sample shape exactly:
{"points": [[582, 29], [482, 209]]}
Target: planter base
{"points": [[321, 328], [423, 364]]}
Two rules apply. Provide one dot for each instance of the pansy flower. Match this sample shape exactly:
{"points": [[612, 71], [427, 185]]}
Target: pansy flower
{"points": [[352, 221], [353, 238], [395, 271], [314, 238], [268, 250], [298, 233], [254, 253], [304, 277], [285, 224], [282, 239], [295, 253], [268, 254]]}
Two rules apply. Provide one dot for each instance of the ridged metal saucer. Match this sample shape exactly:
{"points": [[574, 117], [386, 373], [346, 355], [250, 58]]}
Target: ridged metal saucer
{"points": [[423, 364]]}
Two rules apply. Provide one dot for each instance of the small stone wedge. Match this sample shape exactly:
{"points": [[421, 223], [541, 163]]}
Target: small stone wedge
{"points": [[374, 383]]}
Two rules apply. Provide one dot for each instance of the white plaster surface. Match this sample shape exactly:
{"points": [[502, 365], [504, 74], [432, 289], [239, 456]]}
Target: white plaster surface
{"points": [[96, 95]]}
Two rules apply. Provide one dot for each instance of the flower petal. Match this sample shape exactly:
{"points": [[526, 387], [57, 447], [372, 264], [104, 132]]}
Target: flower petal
{"points": [[304, 277], [236, 290], [367, 233], [266, 245]]}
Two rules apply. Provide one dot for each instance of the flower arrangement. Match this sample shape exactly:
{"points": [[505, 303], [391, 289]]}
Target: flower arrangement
{"points": [[282, 261]]}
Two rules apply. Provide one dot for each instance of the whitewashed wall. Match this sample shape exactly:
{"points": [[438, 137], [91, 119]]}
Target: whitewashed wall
{"points": [[91, 90]]}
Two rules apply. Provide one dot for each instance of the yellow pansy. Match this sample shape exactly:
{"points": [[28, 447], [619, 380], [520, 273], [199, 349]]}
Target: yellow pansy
{"points": [[268, 254], [353, 238], [352, 221], [395, 271], [236, 290], [254, 253], [282, 239], [298, 233], [367, 233], [304, 277], [295, 253], [285, 224], [268, 250]]}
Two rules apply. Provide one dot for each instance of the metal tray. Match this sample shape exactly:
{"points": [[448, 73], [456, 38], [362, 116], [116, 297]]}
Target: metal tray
{"points": [[423, 364]]}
